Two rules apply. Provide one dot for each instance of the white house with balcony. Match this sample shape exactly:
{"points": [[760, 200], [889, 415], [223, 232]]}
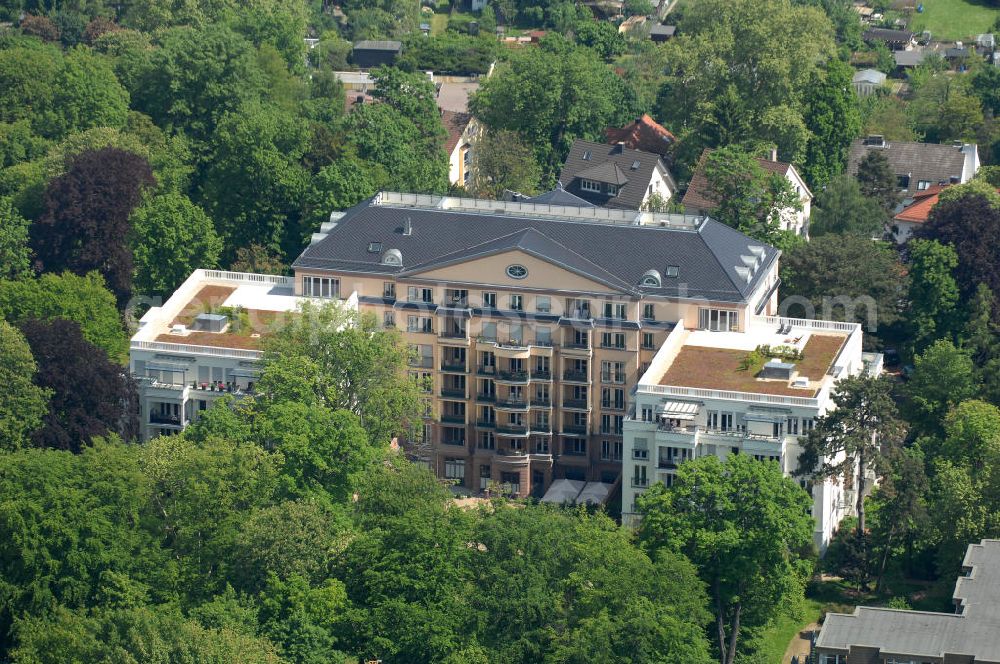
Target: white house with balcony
{"points": [[203, 344], [705, 394]]}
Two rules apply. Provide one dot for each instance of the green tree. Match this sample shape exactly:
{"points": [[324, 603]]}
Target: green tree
{"points": [[84, 300], [502, 161], [343, 184], [552, 95], [346, 361], [195, 77], [877, 180], [254, 187], [898, 510], [171, 237], [87, 94], [746, 196], [745, 526], [886, 116], [601, 36], [15, 256], [279, 24], [855, 439], [833, 117], [943, 376], [841, 209], [845, 277], [24, 403], [943, 109], [933, 292]]}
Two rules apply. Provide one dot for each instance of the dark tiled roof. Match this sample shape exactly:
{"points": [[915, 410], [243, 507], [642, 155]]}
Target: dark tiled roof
{"points": [[607, 156], [559, 196], [371, 45], [455, 124], [696, 196], [616, 255], [644, 134], [663, 30], [886, 35], [930, 162]]}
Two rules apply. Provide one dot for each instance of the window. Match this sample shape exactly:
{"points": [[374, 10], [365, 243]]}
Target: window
{"points": [[487, 441], [489, 300], [639, 478], [612, 372], [792, 426], [648, 312], [586, 155], [415, 294], [576, 446], [389, 290], [613, 340], [614, 310], [923, 185], [903, 181], [647, 414], [807, 425], [718, 320], [320, 287], [612, 424], [606, 450], [543, 336], [454, 469], [517, 302], [590, 185], [543, 304], [388, 319], [419, 324], [618, 450], [613, 398], [489, 331], [613, 190], [832, 659], [648, 340], [517, 271], [671, 271], [453, 436]]}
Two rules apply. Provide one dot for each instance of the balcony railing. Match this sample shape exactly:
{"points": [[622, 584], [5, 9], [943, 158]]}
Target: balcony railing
{"points": [[612, 405], [670, 428], [519, 404], [538, 402], [454, 365], [609, 431], [577, 346], [541, 375], [640, 482], [163, 418], [669, 464], [452, 418], [455, 392], [576, 375], [454, 334], [486, 424], [486, 398], [575, 429], [515, 429], [483, 370], [513, 376], [575, 403], [422, 362]]}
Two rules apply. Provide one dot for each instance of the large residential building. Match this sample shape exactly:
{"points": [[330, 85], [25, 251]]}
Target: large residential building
{"points": [[533, 321], [919, 166], [700, 397], [698, 200], [615, 176], [971, 635], [204, 343]]}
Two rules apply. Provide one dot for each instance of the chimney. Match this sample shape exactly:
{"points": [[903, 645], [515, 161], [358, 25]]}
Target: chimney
{"points": [[408, 227], [619, 147]]}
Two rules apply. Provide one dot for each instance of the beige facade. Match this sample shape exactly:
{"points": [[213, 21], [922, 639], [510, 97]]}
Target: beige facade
{"points": [[530, 365]]}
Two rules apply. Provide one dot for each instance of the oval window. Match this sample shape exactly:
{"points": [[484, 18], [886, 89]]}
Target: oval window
{"points": [[517, 271]]}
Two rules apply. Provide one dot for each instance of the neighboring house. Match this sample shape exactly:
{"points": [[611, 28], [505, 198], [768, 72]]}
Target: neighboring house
{"points": [[909, 59], [661, 33], [615, 176], [557, 196], [533, 321], [463, 132], [895, 40], [204, 342], [914, 212], [696, 400], [918, 166], [631, 23], [698, 201], [970, 635], [644, 134], [370, 54], [867, 82]]}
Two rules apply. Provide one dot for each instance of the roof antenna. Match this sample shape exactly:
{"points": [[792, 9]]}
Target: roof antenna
{"points": [[408, 227]]}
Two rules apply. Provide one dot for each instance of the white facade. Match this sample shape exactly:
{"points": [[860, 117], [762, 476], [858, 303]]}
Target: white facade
{"points": [[181, 371], [461, 156], [671, 423]]}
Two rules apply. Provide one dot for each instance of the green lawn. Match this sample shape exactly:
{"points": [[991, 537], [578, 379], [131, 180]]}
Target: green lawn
{"points": [[782, 631], [955, 19], [439, 23]]}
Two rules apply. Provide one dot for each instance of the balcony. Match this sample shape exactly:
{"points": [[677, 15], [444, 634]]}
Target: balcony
{"points": [[538, 402], [615, 433], [483, 370], [486, 398], [612, 405], [574, 429], [578, 349], [577, 314], [541, 429], [575, 404], [165, 419], [541, 375], [518, 430], [519, 377], [576, 376], [613, 378], [452, 418], [689, 429], [669, 463], [486, 424], [453, 366], [512, 404], [453, 392]]}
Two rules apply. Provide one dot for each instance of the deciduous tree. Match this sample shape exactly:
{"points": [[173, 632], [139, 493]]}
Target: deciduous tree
{"points": [[745, 526], [24, 403], [841, 209], [502, 161], [15, 256], [833, 117], [877, 179], [933, 292], [942, 377], [84, 225]]}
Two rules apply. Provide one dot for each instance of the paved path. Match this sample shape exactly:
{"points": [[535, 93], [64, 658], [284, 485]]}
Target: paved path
{"points": [[800, 644]]}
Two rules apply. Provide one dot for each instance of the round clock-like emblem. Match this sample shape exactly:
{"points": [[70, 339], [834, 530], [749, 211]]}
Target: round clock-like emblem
{"points": [[517, 271]]}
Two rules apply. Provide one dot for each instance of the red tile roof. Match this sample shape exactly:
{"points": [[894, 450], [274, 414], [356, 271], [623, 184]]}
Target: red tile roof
{"points": [[920, 209], [696, 196], [644, 134], [455, 123]]}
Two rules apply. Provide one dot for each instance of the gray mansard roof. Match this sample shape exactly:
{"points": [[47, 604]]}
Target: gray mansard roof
{"points": [[709, 256]]}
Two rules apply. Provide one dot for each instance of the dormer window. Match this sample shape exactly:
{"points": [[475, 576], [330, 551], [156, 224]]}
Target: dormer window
{"points": [[671, 270], [651, 278], [613, 189], [590, 185], [587, 155]]}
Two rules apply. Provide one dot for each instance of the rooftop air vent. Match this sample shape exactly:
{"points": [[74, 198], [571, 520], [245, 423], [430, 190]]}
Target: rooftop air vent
{"points": [[777, 369], [587, 155], [635, 165], [800, 382], [672, 270], [178, 329], [210, 322]]}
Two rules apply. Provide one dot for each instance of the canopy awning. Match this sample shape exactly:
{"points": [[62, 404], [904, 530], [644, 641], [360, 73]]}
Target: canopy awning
{"points": [[679, 410]]}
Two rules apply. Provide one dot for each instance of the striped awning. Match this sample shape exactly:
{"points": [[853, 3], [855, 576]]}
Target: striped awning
{"points": [[680, 410]]}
